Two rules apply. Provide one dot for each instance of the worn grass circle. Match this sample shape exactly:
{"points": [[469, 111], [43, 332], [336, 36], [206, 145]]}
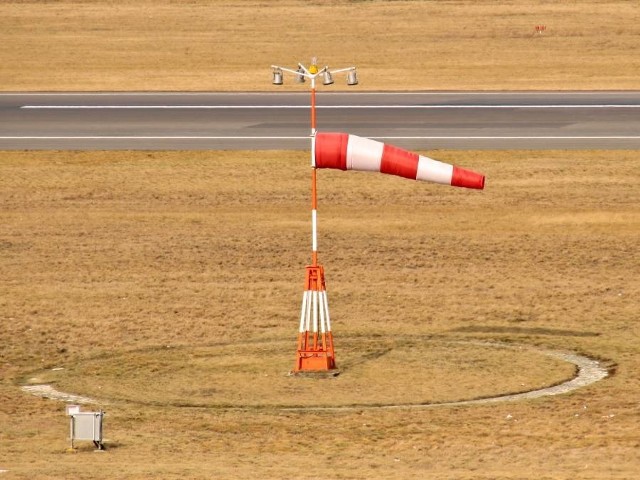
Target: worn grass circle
{"points": [[373, 372]]}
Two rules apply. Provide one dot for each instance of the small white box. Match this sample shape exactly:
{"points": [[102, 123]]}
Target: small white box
{"points": [[73, 409], [85, 426]]}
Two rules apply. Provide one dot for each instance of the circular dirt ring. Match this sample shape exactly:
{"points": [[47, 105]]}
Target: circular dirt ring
{"points": [[374, 373]]}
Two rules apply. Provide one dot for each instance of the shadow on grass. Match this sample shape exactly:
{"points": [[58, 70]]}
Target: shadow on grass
{"points": [[524, 331]]}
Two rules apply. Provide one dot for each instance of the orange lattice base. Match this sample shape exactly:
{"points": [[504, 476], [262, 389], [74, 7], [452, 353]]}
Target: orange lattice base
{"points": [[315, 341], [314, 361]]}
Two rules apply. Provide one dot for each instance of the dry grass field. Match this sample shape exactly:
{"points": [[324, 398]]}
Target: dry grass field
{"points": [[397, 45], [166, 285]]}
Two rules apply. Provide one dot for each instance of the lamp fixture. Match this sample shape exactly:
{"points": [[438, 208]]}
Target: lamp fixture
{"points": [[300, 75], [352, 78], [328, 79], [277, 77]]}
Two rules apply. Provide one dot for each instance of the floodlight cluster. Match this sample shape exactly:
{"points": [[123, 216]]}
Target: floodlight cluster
{"points": [[303, 73]]}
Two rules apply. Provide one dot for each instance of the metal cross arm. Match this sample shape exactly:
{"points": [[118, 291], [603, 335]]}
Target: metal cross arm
{"points": [[312, 73]]}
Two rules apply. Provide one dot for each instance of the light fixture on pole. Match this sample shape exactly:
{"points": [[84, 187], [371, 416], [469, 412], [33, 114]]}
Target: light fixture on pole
{"points": [[328, 79], [277, 76], [315, 351], [352, 78], [300, 75]]}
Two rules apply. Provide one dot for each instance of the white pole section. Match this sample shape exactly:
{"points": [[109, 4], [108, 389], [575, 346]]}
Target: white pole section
{"points": [[314, 230], [315, 311], [308, 312], [326, 309], [322, 315], [303, 311]]}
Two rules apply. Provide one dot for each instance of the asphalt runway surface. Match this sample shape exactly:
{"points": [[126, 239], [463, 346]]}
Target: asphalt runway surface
{"points": [[253, 121]]}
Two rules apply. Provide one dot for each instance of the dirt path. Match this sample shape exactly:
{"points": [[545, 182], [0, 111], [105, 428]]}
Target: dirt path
{"points": [[589, 371], [47, 391]]}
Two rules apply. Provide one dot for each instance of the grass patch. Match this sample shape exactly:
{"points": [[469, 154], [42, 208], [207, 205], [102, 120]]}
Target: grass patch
{"points": [[397, 45], [255, 375]]}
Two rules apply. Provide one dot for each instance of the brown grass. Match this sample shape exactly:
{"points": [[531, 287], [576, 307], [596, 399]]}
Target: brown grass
{"points": [[168, 284], [397, 45], [139, 271]]}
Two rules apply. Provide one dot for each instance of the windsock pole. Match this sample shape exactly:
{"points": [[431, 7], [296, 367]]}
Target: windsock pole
{"points": [[314, 176], [315, 341], [315, 352]]}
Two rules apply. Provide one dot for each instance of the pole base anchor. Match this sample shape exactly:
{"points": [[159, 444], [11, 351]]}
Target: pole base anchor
{"points": [[315, 341]]}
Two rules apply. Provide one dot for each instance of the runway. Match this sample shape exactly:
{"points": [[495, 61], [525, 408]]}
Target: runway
{"points": [[239, 121]]}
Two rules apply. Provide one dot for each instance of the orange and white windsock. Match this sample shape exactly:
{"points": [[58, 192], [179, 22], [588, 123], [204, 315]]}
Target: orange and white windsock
{"points": [[348, 152]]}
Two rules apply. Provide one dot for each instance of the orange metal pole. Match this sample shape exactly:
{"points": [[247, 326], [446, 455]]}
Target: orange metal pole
{"points": [[314, 191], [315, 350]]}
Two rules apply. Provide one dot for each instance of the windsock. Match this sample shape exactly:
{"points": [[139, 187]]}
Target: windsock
{"points": [[348, 152]]}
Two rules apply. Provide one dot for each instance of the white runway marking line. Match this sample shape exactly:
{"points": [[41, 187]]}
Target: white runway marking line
{"points": [[115, 137], [551, 137], [389, 93], [336, 107]]}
